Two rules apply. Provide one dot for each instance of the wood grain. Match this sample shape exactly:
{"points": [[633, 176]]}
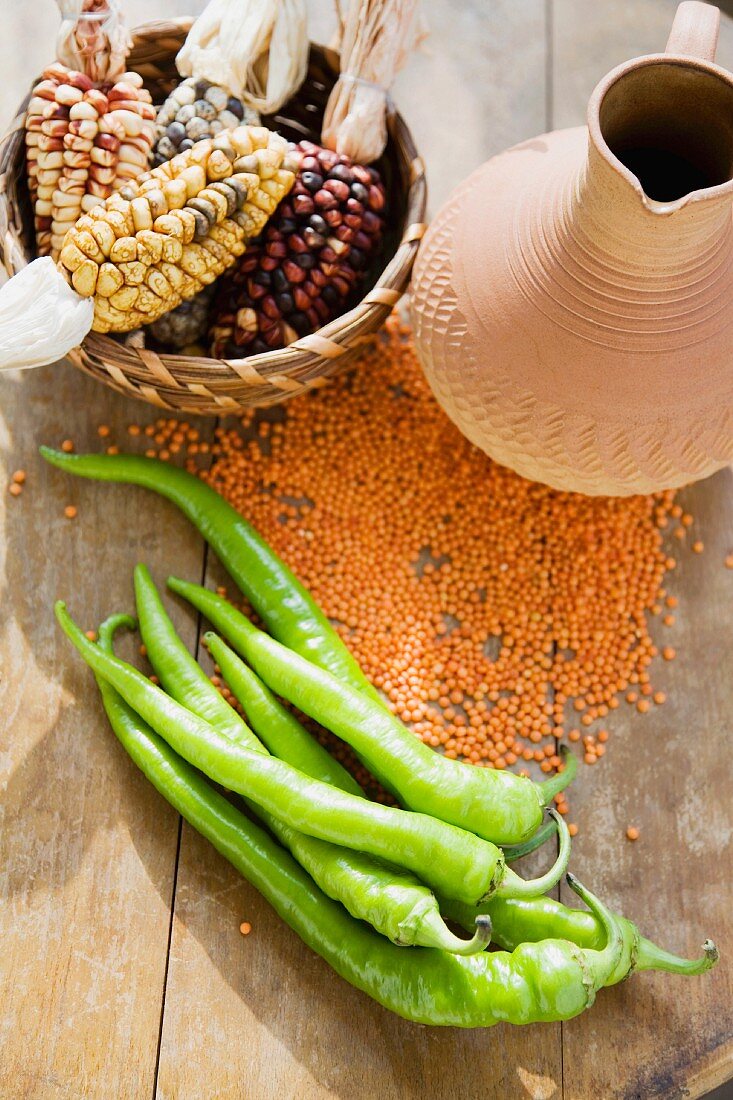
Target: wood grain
{"points": [[87, 849], [669, 774], [338, 1043], [88, 852]]}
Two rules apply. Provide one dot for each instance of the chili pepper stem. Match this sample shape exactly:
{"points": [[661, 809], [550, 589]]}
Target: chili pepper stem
{"points": [[651, 957], [550, 787], [513, 852], [606, 960], [433, 933], [513, 886]]}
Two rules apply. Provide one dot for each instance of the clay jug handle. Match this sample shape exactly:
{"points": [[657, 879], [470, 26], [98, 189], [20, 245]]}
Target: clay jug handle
{"points": [[695, 31]]}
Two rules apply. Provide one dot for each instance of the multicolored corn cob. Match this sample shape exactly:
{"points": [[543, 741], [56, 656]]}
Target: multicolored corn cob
{"points": [[82, 143], [196, 109], [315, 251], [168, 234]]}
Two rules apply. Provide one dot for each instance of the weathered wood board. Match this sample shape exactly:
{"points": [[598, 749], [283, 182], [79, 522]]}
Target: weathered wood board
{"points": [[123, 971]]}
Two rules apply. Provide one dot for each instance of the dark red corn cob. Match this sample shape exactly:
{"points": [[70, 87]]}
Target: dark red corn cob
{"points": [[314, 252]]}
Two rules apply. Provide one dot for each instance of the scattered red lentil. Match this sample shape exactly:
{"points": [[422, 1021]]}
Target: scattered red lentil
{"points": [[67, 446], [245, 928], [632, 833], [669, 653], [729, 562], [103, 431], [698, 546], [573, 829], [91, 635], [18, 477], [14, 489], [70, 511], [487, 608]]}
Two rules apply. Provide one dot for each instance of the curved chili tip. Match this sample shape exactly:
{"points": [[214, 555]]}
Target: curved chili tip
{"points": [[111, 625], [651, 957], [513, 886]]}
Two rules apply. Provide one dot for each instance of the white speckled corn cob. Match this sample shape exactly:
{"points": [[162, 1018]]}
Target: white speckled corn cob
{"points": [[168, 234], [82, 143]]}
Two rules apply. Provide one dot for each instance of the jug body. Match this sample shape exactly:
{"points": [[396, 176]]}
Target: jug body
{"points": [[573, 301]]}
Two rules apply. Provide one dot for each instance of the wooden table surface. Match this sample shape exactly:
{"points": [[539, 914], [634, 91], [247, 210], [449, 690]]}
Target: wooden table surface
{"points": [[123, 970]]}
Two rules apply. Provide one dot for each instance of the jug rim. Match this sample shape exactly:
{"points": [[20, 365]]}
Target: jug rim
{"points": [[593, 118]]}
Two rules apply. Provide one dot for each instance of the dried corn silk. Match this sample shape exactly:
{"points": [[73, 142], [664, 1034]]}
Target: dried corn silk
{"points": [[256, 50], [93, 39], [377, 36], [496, 614]]}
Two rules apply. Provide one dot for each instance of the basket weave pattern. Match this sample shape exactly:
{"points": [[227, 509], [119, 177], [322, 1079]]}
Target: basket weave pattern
{"points": [[216, 386]]}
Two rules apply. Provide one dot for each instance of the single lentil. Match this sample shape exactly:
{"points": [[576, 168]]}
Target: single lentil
{"points": [[632, 833], [70, 511]]}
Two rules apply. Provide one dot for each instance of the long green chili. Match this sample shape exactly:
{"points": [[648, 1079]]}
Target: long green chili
{"points": [[278, 597], [392, 901], [447, 858], [546, 981], [496, 805], [514, 920]]}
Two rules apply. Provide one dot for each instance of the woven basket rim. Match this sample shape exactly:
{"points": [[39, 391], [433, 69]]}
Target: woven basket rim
{"points": [[227, 384]]}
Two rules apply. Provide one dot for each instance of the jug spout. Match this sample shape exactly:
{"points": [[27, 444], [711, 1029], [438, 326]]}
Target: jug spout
{"points": [[661, 141]]}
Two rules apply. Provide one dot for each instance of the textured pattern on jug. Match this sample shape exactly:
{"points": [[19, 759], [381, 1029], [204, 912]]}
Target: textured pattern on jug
{"points": [[601, 441]]}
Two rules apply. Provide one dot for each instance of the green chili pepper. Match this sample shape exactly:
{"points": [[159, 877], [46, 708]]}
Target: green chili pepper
{"points": [[392, 901], [291, 614], [514, 920], [446, 858], [496, 805], [529, 920], [286, 738], [276, 726], [282, 602], [551, 980]]}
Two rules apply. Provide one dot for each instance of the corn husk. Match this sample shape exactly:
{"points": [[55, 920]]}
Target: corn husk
{"points": [[254, 49], [41, 317], [377, 36], [93, 39]]}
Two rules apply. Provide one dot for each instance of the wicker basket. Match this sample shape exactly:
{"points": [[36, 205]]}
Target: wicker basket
{"points": [[216, 386]]}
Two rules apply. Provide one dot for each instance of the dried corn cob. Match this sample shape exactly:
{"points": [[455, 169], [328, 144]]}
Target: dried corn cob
{"points": [[82, 142], [165, 236], [195, 110], [314, 252]]}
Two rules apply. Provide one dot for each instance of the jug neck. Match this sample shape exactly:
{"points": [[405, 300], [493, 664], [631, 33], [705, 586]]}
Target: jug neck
{"points": [[616, 217], [658, 180]]}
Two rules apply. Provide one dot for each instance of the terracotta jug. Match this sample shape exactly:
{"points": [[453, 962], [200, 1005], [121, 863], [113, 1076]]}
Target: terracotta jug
{"points": [[573, 301]]}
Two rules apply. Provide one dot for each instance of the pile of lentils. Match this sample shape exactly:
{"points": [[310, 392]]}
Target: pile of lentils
{"points": [[498, 616]]}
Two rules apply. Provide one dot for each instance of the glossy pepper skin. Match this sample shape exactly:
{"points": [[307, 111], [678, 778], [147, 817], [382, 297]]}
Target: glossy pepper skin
{"points": [[282, 602], [293, 617], [443, 856], [514, 920], [277, 727], [552, 980], [496, 805], [392, 901]]}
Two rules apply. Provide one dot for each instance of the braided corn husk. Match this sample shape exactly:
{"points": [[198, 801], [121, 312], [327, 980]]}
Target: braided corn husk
{"points": [[82, 143], [170, 233]]}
